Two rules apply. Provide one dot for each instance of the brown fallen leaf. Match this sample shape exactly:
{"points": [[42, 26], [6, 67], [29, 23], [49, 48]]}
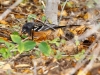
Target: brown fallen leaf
{"points": [[87, 16], [80, 72], [3, 22], [78, 30], [7, 66], [64, 13]]}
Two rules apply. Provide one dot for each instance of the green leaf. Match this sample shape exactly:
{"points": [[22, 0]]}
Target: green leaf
{"points": [[69, 4], [16, 38], [15, 33], [58, 55], [2, 41], [96, 1], [31, 16], [55, 41], [45, 48], [90, 4], [43, 18], [21, 47], [42, 7], [2, 50], [24, 1], [79, 55], [24, 36], [28, 45], [63, 3], [8, 45], [77, 42], [63, 41], [37, 53], [5, 53]]}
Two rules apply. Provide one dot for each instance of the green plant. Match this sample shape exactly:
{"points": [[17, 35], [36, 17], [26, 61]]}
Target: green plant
{"points": [[37, 53], [58, 55], [93, 3], [79, 55], [43, 18], [5, 51], [56, 41], [31, 16], [24, 1], [77, 42], [23, 45], [45, 48], [17, 45]]}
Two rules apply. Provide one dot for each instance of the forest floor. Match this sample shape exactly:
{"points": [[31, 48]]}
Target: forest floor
{"points": [[73, 51]]}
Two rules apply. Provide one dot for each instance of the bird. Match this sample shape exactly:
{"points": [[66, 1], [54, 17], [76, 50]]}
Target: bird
{"points": [[39, 29]]}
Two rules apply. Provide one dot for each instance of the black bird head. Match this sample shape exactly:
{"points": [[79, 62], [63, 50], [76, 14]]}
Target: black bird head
{"points": [[27, 28]]}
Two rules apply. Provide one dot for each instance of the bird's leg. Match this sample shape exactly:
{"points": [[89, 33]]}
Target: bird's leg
{"points": [[32, 34]]}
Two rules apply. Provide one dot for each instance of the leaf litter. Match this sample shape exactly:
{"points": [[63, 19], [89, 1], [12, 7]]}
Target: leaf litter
{"points": [[78, 18]]}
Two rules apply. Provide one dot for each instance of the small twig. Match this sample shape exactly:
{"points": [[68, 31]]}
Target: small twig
{"points": [[45, 72], [62, 11], [42, 3], [9, 9], [35, 68], [95, 54]]}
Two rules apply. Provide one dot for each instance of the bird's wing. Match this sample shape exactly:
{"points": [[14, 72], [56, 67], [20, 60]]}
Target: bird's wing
{"points": [[43, 27]]}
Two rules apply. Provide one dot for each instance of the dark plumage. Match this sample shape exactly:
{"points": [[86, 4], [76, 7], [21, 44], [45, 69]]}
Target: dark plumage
{"points": [[27, 28], [30, 27]]}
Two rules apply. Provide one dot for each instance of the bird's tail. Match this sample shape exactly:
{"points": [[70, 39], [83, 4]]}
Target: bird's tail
{"points": [[56, 27]]}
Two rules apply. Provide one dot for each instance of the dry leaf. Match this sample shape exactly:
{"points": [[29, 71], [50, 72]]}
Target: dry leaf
{"points": [[63, 22], [64, 13], [40, 71], [87, 16], [27, 71], [60, 32], [3, 22], [79, 30], [80, 72], [5, 2], [7, 66], [75, 9], [19, 16], [96, 12]]}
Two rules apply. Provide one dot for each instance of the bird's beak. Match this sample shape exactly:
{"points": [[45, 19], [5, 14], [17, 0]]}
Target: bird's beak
{"points": [[24, 31]]}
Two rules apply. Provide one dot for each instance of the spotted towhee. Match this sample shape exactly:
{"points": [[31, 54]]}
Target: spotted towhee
{"points": [[39, 29]]}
